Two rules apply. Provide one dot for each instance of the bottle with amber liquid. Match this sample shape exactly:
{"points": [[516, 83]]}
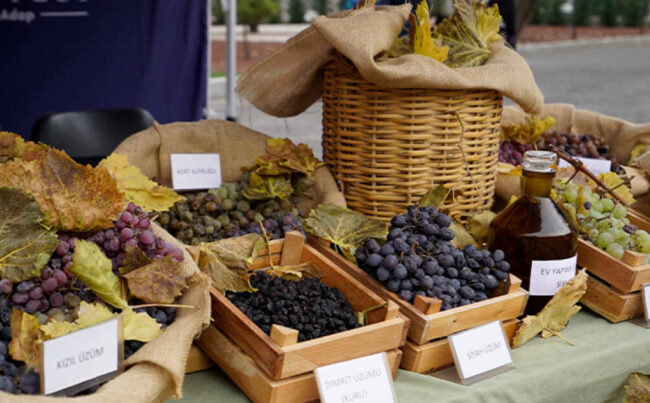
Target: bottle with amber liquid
{"points": [[537, 237]]}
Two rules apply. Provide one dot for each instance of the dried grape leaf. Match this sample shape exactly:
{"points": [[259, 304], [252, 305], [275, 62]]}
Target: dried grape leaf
{"points": [[283, 156], [96, 271], [478, 225], [637, 389], [25, 338], [134, 258], [72, 196], [295, 272], [139, 326], [462, 237], [159, 282], [435, 196], [267, 187], [25, 243], [13, 146], [468, 32], [88, 315], [345, 228], [136, 187], [617, 184], [555, 314], [529, 131], [423, 43]]}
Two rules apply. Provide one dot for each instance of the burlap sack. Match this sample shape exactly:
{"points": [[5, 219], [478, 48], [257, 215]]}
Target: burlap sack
{"points": [[621, 136], [156, 371], [288, 81], [237, 146]]}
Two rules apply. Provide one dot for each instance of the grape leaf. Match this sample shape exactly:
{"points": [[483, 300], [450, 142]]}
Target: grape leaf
{"points": [[136, 187], [13, 146], [88, 315], [529, 131], [462, 237], [25, 338], [345, 228], [555, 314], [637, 389], [468, 32], [140, 326], [72, 196], [295, 272], [423, 43], [25, 244], [617, 184], [267, 187], [96, 271], [134, 258], [435, 196], [478, 225], [283, 156], [226, 261], [159, 282]]}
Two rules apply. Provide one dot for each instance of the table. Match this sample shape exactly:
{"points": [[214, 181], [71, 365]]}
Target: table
{"points": [[595, 370]]}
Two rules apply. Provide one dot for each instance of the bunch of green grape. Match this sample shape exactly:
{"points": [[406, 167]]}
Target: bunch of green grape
{"points": [[601, 220]]}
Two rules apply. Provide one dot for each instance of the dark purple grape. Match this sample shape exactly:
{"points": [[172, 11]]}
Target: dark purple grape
{"points": [[5, 286], [467, 292], [36, 293], [390, 262], [393, 285], [50, 284], [406, 295], [498, 255], [374, 260], [382, 274], [426, 282], [20, 298], [25, 286], [502, 265], [126, 234], [56, 300], [387, 249], [32, 305], [60, 277], [400, 272]]}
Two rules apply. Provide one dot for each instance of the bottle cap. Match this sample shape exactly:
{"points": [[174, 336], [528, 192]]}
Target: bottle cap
{"points": [[539, 161]]}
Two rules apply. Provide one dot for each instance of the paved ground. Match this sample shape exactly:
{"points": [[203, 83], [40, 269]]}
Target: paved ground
{"points": [[611, 78]]}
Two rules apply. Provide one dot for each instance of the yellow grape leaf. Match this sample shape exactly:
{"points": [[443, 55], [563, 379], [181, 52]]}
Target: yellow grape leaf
{"points": [[267, 187], [139, 326], [468, 32], [423, 43], [437, 195], [637, 151], [159, 282], [25, 243], [136, 187], [88, 315], [73, 197], [13, 146], [555, 314], [283, 156], [345, 228], [637, 389], [478, 225], [617, 184], [462, 237], [529, 131], [25, 338], [96, 271], [295, 272]]}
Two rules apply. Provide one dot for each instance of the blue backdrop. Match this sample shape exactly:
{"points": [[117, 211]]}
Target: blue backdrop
{"points": [[66, 55]]}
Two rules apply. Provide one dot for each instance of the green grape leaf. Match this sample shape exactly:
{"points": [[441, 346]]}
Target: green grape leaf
{"points": [[96, 271], [159, 282], [25, 338], [25, 243], [468, 32], [637, 389], [345, 228], [295, 272], [140, 326], [267, 187], [283, 156]]}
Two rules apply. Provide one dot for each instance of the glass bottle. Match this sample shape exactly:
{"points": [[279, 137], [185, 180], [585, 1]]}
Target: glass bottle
{"points": [[537, 237]]}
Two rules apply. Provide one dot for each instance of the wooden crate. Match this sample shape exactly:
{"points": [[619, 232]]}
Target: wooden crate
{"points": [[427, 321], [197, 360], [436, 355], [280, 355], [254, 381], [610, 303], [638, 219]]}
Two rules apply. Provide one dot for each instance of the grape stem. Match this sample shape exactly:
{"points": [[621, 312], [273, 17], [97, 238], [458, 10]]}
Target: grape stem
{"points": [[162, 306], [579, 166]]}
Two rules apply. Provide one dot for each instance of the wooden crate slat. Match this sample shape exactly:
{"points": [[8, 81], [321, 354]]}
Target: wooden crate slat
{"points": [[611, 304], [197, 360], [437, 355]]}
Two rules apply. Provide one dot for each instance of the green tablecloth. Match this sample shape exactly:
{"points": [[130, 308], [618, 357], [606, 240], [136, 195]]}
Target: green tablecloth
{"points": [[550, 370]]}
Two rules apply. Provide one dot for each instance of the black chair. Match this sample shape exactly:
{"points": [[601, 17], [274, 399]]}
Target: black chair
{"points": [[89, 136]]}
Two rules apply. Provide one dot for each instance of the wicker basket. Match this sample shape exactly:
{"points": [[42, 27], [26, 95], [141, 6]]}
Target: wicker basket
{"points": [[386, 147]]}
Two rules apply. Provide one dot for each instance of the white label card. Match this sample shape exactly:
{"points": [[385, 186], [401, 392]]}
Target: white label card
{"points": [[645, 293], [548, 276], [596, 166], [481, 352], [79, 357], [366, 379], [195, 171]]}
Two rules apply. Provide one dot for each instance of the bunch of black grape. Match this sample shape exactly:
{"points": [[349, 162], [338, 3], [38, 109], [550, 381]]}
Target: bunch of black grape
{"points": [[133, 227], [309, 306], [224, 213], [419, 259], [15, 377]]}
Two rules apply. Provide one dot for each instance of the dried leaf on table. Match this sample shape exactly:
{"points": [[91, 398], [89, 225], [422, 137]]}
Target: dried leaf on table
{"points": [[88, 315], [295, 272], [136, 187], [468, 33], [139, 326], [159, 282], [267, 187], [423, 43], [25, 338], [478, 225], [345, 228], [96, 271], [73, 197], [25, 243], [614, 182], [555, 314], [637, 389], [529, 131], [283, 156]]}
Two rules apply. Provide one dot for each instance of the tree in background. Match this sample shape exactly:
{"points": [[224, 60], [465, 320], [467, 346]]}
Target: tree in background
{"points": [[609, 12], [249, 12], [296, 11], [321, 7], [525, 11], [634, 12]]}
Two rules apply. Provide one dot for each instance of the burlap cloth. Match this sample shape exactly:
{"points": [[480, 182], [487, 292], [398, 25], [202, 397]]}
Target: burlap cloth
{"points": [[155, 372], [620, 135], [237, 146], [288, 81]]}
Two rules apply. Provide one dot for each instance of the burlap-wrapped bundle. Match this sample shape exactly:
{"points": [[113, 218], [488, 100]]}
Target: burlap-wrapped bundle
{"points": [[621, 136], [237, 146], [156, 371]]}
